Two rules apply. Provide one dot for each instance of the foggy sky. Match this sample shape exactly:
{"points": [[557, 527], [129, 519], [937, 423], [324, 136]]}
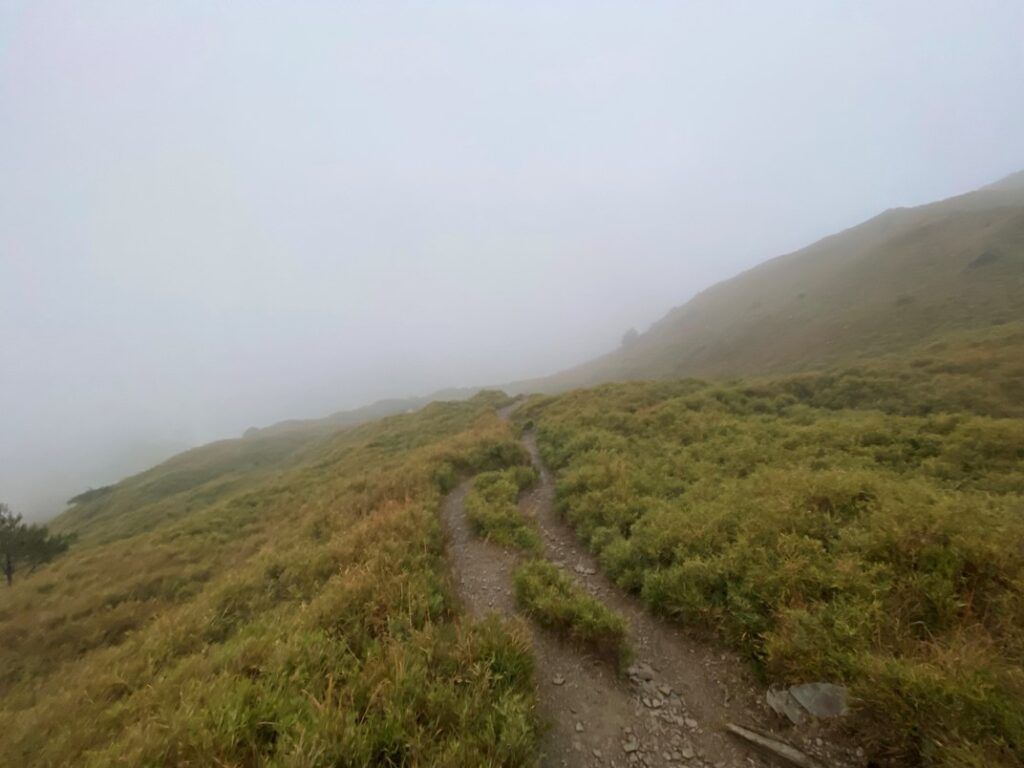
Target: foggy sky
{"points": [[219, 215]]}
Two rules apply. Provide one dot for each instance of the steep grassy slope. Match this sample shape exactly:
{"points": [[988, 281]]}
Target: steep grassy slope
{"points": [[863, 526], [879, 287], [297, 614]]}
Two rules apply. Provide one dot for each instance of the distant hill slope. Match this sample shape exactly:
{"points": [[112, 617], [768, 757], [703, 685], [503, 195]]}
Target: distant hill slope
{"points": [[376, 410], [198, 477], [882, 286]]}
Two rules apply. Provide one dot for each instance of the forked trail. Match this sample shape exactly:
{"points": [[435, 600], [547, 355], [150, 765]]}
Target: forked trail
{"points": [[669, 711]]}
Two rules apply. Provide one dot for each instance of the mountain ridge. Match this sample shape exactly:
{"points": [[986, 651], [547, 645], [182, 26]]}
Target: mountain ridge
{"points": [[948, 265]]}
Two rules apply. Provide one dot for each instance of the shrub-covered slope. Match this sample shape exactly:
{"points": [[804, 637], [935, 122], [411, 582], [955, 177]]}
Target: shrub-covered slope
{"points": [[303, 618], [863, 526]]}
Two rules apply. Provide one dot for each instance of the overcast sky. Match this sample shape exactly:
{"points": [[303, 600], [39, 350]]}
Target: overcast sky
{"points": [[215, 215]]}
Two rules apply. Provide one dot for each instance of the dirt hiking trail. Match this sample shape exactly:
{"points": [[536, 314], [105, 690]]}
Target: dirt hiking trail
{"points": [[669, 709]]}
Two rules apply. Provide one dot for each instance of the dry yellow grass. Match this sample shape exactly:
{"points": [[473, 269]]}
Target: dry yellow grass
{"points": [[304, 620]]}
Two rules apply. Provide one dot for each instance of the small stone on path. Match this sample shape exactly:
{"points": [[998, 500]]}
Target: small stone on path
{"points": [[641, 671]]}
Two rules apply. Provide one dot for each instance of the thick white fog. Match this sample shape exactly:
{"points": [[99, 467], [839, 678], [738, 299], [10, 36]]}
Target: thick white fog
{"points": [[218, 215]]}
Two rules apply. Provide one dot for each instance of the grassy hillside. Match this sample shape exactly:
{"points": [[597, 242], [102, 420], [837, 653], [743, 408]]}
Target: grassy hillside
{"points": [[864, 526], [282, 599], [377, 410], [880, 287], [196, 478], [186, 483], [288, 607]]}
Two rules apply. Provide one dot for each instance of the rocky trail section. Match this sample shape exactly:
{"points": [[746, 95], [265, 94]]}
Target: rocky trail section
{"points": [[672, 706]]}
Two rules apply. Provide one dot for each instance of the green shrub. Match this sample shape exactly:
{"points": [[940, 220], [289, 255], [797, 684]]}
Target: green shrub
{"points": [[492, 508], [554, 600]]}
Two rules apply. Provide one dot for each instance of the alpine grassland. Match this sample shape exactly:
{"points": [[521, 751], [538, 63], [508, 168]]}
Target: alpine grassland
{"points": [[267, 605], [862, 526]]}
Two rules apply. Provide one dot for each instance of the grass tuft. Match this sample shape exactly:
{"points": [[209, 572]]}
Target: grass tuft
{"points": [[492, 508], [554, 600]]}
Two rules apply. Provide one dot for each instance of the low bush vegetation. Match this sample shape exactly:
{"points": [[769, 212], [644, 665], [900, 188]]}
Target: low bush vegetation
{"points": [[303, 620], [492, 508], [829, 528], [554, 600]]}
